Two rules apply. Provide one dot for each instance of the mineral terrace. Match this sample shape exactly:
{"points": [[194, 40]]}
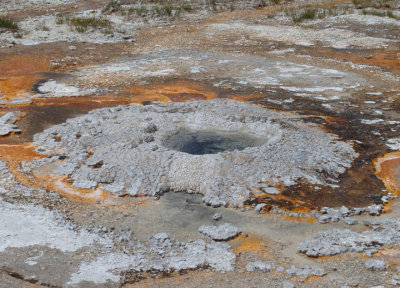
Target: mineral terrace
{"points": [[222, 149], [199, 143]]}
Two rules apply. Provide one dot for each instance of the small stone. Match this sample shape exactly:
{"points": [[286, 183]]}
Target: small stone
{"points": [[305, 272], [151, 128], [260, 266], [149, 138], [395, 280], [129, 38], [350, 221], [324, 219], [259, 207], [217, 216], [375, 265], [72, 47], [344, 210], [374, 210], [370, 252], [222, 232], [271, 190]]}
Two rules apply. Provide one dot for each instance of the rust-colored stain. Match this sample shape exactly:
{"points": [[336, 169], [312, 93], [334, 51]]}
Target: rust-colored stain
{"points": [[176, 91], [292, 218], [387, 168], [382, 58], [14, 154], [63, 187], [292, 204], [45, 112], [391, 252], [43, 177], [312, 277], [18, 74], [246, 244]]}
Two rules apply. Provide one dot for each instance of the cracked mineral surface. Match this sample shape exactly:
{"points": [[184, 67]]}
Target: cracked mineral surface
{"points": [[199, 143], [147, 150]]}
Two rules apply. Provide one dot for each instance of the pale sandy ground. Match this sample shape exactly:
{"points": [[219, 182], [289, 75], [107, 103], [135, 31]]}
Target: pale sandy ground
{"points": [[342, 72]]}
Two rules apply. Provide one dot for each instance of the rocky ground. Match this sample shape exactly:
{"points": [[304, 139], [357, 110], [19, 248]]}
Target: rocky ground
{"points": [[199, 143]]}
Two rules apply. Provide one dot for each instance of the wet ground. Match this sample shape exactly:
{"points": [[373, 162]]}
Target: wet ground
{"points": [[351, 91]]}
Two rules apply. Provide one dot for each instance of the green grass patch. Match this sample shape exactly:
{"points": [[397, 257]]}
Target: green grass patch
{"points": [[60, 20], [82, 24], [112, 5], [307, 14], [8, 24], [89, 22], [377, 4], [276, 1], [311, 12], [388, 14]]}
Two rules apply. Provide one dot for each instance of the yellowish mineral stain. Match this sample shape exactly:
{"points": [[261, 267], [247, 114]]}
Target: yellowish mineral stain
{"points": [[387, 168], [19, 73]]}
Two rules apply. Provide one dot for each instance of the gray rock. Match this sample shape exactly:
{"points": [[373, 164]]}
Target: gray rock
{"points": [[324, 219], [395, 280], [335, 241], [375, 210], [260, 266], [3, 168], [217, 216], [371, 252], [350, 221], [159, 254], [7, 123], [305, 272], [222, 232], [259, 207], [271, 190], [375, 265]]}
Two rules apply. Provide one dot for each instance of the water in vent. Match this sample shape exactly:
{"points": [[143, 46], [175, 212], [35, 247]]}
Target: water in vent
{"points": [[210, 141]]}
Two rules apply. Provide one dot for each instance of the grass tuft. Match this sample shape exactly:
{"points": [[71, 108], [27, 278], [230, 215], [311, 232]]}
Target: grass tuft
{"points": [[112, 6], [81, 24], [307, 14], [389, 14], [8, 24], [276, 1]]}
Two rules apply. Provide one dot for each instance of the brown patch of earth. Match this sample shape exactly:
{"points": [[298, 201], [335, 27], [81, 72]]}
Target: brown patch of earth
{"points": [[387, 168]]}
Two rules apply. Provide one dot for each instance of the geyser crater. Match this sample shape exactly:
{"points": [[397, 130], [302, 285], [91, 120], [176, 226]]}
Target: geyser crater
{"points": [[141, 150], [200, 142]]}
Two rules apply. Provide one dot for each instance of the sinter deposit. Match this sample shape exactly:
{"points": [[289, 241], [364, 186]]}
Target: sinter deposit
{"points": [[222, 149]]}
